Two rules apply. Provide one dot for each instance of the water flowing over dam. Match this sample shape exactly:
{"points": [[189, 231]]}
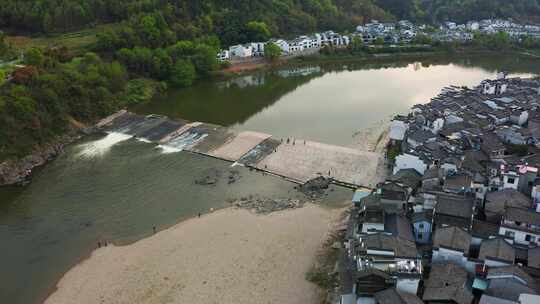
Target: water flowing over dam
{"points": [[294, 159]]}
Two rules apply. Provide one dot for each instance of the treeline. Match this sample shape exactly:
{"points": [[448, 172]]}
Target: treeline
{"points": [[190, 18], [434, 11], [228, 18]]}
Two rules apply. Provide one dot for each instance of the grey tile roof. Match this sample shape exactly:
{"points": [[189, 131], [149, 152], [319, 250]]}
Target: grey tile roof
{"points": [[452, 238], [400, 246], [509, 282], [498, 201], [497, 249], [528, 216], [484, 230], [408, 177], [392, 296], [533, 257], [454, 205], [447, 282], [458, 181]]}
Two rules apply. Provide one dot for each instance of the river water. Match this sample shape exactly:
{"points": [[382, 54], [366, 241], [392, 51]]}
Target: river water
{"points": [[112, 188]]}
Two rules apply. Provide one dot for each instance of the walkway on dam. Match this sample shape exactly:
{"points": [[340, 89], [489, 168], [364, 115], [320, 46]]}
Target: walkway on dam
{"points": [[294, 159]]}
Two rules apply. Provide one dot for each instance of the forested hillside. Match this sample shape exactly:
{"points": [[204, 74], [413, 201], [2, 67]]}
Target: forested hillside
{"points": [[227, 18], [433, 11]]}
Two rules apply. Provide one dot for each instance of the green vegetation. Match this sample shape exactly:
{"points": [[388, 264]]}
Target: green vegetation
{"points": [[392, 151], [272, 51], [40, 101]]}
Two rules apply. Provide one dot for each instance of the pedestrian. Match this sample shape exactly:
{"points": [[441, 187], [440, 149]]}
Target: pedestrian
{"points": [[304, 142], [288, 141], [199, 215], [98, 244], [105, 243], [154, 228]]}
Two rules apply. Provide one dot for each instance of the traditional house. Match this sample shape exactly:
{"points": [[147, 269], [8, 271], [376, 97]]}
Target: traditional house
{"points": [[397, 132], [422, 226], [496, 203], [420, 137], [492, 146], [451, 244], [497, 252], [521, 225], [410, 161], [458, 183], [454, 210], [370, 281], [393, 296], [447, 283], [509, 283]]}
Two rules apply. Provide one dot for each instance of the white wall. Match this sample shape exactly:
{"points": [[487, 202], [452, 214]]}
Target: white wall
{"points": [[407, 161], [444, 255], [508, 185], [366, 227], [407, 285], [519, 236]]}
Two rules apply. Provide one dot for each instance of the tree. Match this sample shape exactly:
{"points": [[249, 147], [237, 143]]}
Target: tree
{"points": [[257, 31], [272, 51], [2, 77], [182, 73], [379, 41], [357, 44], [34, 56]]}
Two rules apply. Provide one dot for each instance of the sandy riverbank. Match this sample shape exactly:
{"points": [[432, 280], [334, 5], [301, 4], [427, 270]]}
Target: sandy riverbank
{"points": [[230, 256]]}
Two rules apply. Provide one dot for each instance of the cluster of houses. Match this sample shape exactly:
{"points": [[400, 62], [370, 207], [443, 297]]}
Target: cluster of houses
{"points": [[451, 31], [389, 33], [458, 221], [288, 47]]}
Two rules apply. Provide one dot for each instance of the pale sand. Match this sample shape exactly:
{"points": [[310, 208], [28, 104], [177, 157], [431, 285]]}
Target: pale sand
{"points": [[230, 256]]}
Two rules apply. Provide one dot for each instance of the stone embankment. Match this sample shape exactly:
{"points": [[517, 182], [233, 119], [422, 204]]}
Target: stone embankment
{"points": [[18, 171]]}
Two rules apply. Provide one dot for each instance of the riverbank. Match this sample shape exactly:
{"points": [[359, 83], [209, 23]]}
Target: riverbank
{"points": [[17, 171], [246, 67], [230, 256]]}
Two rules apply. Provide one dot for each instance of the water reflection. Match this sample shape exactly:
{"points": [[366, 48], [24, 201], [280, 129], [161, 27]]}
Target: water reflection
{"points": [[330, 102]]}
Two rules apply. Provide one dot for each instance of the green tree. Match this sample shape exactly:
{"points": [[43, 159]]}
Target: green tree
{"points": [[2, 77], [357, 45], [272, 51], [258, 31], [182, 74], [379, 41], [34, 56]]}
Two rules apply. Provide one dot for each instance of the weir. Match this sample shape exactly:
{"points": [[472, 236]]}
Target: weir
{"points": [[294, 159]]}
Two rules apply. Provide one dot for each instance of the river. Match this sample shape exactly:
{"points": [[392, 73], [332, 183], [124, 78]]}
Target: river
{"points": [[116, 189]]}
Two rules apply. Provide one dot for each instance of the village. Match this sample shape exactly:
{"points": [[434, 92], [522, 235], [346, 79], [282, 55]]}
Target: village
{"points": [[458, 220], [381, 33]]}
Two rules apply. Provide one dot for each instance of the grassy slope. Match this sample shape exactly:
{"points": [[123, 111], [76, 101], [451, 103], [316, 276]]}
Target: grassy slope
{"points": [[77, 41]]}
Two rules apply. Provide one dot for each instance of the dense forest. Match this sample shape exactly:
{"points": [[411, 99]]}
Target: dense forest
{"points": [[228, 18]]}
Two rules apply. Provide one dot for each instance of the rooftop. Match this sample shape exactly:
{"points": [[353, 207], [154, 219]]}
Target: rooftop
{"points": [[452, 238], [447, 282], [497, 249]]}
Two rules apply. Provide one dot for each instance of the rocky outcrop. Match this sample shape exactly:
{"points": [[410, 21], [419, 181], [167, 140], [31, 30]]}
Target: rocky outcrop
{"points": [[17, 171]]}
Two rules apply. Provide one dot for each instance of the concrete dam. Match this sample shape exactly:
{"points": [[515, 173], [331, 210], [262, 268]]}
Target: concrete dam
{"points": [[294, 159]]}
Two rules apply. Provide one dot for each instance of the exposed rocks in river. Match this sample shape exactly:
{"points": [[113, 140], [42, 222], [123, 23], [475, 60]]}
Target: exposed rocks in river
{"points": [[267, 205], [212, 176], [316, 187]]}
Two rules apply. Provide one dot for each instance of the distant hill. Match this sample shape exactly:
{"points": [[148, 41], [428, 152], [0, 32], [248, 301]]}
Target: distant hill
{"points": [[434, 11]]}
